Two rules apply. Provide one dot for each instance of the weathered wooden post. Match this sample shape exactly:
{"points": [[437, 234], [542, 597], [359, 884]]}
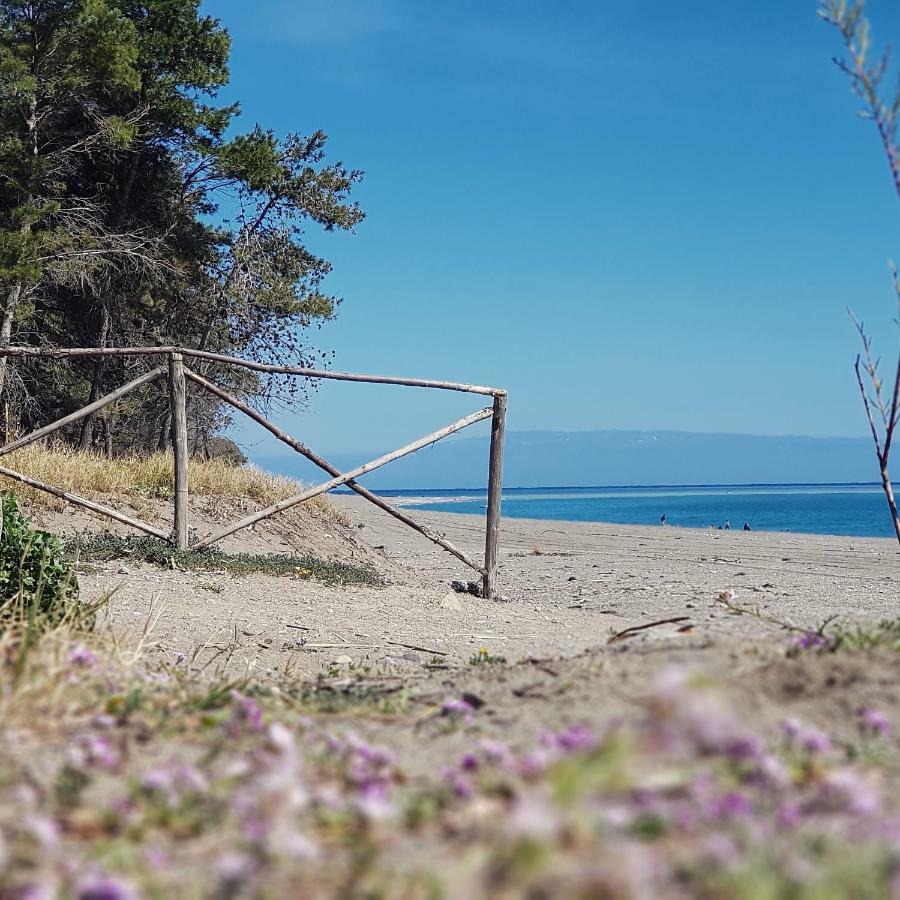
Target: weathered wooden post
{"points": [[495, 485], [178, 402]]}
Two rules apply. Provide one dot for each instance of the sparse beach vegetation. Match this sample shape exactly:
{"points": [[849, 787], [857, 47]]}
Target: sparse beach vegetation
{"points": [[108, 547], [147, 477], [142, 778]]}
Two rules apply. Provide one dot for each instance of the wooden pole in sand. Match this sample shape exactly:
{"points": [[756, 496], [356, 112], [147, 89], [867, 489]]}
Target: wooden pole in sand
{"points": [[177, 397], [495, 485]]}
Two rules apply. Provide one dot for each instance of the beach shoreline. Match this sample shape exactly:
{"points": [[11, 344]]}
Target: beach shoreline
{"points": [[565, 589], [829, 509]]}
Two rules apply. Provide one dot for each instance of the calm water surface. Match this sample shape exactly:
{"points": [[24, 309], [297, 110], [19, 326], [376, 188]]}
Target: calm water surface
{"points": [[842, 509]]}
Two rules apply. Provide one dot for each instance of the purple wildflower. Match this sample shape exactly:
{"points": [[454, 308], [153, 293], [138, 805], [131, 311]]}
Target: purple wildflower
{"points": [[873, 722], [369, 753], [743, 747], [574, 739], [814, 741], [373, 800], [191, 779], [497, 753], [469, 762], [810, 640], [852, 789], [460, 786], [456, 706], [810, 740], [459, 708], [768, 770], [534, 763], [790, 729], [156, 780], [81, 656], [789, 815], [246, 712], [45, 831], [733, 805], [103, 887], [96, 751], [721, 850], [272, 794]]}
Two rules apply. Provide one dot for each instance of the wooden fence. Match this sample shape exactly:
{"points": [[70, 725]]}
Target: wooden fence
{"points": [[178, 374]]}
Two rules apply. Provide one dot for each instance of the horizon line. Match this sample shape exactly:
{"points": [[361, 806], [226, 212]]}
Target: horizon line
{"points": [[597, 487]]}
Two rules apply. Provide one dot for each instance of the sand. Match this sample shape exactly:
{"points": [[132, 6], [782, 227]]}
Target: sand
{"points": [[567, 588]]}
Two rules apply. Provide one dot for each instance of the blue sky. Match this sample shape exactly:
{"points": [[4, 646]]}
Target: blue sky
{"points": [[631, 213]]}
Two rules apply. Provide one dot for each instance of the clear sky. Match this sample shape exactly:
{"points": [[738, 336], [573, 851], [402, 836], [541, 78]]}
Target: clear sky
{"points": [[634, 214]]}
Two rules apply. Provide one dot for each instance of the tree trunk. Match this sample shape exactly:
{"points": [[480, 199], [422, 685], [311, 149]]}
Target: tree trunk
{"points": [[87, 427], [107, 436], [162, 442], [150, 440], [9, 315]]}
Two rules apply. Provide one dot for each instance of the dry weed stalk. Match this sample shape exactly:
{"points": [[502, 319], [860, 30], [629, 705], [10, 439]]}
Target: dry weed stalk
{"points": [[865, 79]]}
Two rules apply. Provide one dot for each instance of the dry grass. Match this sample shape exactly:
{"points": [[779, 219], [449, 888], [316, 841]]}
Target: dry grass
{"points": [[142, 477]]}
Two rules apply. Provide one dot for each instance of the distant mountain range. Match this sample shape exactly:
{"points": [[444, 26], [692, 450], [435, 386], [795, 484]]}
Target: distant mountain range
{"points": [[589, 458]]}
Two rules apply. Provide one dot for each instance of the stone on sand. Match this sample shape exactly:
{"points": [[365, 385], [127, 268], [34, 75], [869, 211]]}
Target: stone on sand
{"points": [[451, 601]]}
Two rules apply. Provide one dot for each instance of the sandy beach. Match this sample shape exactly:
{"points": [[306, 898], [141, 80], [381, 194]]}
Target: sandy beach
{"points": [[385, 663], [566, 586]]}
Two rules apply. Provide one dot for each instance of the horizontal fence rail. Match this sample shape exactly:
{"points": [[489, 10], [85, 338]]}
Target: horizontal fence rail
{"points": [[269, 368], [178, 376]]}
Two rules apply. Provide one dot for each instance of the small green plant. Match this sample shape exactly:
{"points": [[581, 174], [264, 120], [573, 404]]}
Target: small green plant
{"points": [[848, 638], [484, 657], [861, 636], [36, 581], [363, 696]]}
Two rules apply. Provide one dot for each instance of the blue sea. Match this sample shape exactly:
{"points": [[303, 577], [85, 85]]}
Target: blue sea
{"points": [[842, 509]]}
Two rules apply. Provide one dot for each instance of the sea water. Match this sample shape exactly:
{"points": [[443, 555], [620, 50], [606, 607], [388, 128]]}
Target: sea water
{"points": [[841, 509]]}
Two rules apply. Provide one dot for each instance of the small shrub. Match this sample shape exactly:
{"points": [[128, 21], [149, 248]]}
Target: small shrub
{"points": [[36, 581]]}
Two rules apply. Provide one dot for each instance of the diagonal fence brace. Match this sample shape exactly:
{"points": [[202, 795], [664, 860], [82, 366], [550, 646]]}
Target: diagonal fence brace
{"points": [[322, 463], [345, 478], [75, 500], [102, 402]]}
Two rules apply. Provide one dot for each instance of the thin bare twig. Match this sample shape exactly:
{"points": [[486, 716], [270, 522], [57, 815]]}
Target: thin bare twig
{"points": [[865, 79]]}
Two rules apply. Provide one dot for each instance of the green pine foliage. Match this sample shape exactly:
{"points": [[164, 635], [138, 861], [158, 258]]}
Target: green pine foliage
{"points": [[134, 210]]}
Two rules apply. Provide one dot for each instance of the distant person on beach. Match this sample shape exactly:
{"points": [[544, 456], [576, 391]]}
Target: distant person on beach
{"points": [[746, 526], [662, 519], [727, 525]]}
